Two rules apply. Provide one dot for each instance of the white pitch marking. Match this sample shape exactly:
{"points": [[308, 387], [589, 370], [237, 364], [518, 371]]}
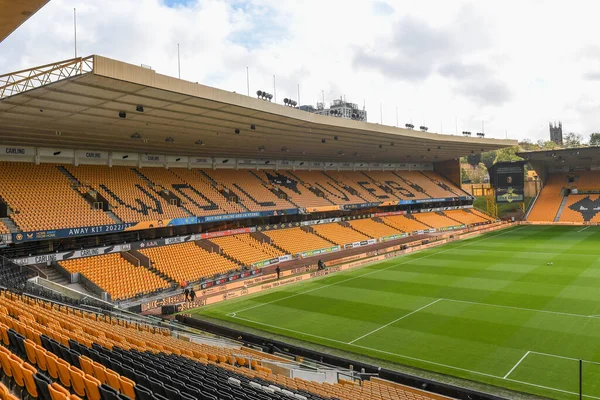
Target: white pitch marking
{"points": [[421, 360], [516, 365], [394, 321], [565, 358], [583, 229], [551, 388], [376, 271], [520, 308]]}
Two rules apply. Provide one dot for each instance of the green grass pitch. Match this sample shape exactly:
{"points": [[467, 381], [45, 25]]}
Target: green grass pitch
{"points": [[488, 309]]}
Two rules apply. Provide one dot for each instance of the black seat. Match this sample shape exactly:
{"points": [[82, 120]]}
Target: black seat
{"points": [[46, 342], [75, 358], [141, 379], [108, 393], [41, 383], [142, 393], [156, 386], [171, 393], [128, 372]]}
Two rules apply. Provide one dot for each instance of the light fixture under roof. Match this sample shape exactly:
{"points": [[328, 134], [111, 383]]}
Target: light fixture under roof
{"points": [[170, 139], [199, 142]]}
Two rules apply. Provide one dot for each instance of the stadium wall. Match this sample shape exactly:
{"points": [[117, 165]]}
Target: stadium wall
{"points": [[57, 155]]}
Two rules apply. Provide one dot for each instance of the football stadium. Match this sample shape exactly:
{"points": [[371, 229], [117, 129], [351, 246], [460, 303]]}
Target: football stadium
{"points": [[162, 239]]}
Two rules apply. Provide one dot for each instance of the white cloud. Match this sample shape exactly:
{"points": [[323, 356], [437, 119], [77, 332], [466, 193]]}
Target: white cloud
{"points": [[511, 65]]}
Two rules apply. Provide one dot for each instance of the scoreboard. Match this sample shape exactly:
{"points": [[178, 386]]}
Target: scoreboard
{"points": [[508, 179]]}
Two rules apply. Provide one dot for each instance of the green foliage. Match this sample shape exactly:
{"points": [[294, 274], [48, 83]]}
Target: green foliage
{"points": [[474, 159], [464, 176], [572, 140], [595, 139], [546, 145], [475, 173], [488, 158], [508, 154]]}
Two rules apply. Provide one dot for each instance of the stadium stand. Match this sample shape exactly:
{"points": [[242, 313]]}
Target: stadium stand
{"points": [[586, 180], [430, 188], [39, 195], [196, 195], [116, 276], [405, 223], [187, 262], [328, 186], [400, 188], [548, 202], [3, 229], [296, 191], [444, 183], [465, 216], [252, 193], [481, 214], [435, 220], [373, 228], [580, 208], [339, 234], [50, 352], [129, 195], [365, 187], [295, 240], [246, 250]]}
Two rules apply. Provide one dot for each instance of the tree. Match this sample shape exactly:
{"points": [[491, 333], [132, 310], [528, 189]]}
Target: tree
{"points": [[488, 158], [464, 176], [572, 140], [528, 145], [547, 145], [474, 159], [595, 139], [508, 154]]}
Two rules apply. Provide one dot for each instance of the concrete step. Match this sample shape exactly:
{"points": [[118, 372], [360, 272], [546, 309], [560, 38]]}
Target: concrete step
{"points": [[9, 223], [113, 216], [70, 176]]}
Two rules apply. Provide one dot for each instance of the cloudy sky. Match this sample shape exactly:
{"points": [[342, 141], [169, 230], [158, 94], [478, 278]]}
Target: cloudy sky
{"points": [[511, 66]]}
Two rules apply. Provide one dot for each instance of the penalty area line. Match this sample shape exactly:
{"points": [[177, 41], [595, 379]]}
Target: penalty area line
{"points": [[516, 365], [422, 360]]}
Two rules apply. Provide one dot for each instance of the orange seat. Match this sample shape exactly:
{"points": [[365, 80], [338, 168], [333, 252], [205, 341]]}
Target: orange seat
{"points": [[91, 387], [63, 372], [51, 363], [127, 387], [58, 392], [28, 372]]}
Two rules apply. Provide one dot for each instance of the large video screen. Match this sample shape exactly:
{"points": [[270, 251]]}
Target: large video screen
{"points": [[509, 183]]}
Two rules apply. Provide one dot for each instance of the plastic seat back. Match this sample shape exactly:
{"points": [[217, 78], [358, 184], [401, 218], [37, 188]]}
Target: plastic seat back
{"points": [[77, 382], [28, 372], [91, 387]]}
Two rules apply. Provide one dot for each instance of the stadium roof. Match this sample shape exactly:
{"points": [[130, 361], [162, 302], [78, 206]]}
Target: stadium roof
{"points": [[76, 104], [575, 157], [16, 12]]}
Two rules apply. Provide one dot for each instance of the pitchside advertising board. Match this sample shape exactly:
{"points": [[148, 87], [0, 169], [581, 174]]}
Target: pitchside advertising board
{"points": [[508, 180]]}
